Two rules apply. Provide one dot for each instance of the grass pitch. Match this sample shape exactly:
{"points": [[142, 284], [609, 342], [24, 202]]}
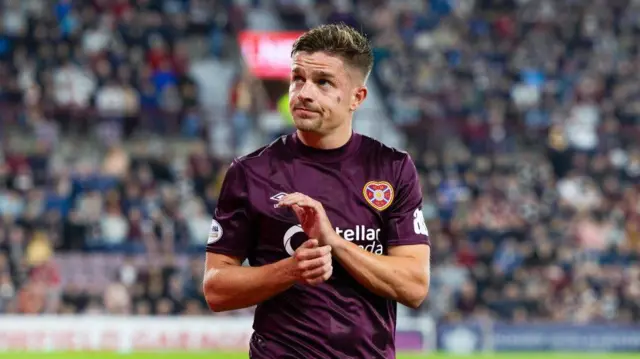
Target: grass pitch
{"points": [[217, 355]]}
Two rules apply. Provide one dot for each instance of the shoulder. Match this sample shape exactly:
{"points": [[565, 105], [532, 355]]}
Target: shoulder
{"points": [[386, 155], [244, 170], [260, 158], [390, 164]]}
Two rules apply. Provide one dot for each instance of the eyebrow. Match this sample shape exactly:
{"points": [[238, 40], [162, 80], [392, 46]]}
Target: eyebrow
{"points": [[324, 74], [328, 75]]}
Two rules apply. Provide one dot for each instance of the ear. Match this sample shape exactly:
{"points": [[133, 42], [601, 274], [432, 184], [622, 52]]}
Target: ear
{"points": [[359, 94]]}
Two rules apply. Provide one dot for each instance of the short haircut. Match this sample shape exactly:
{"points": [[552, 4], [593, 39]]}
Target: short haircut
{"points": [[341, 40]]}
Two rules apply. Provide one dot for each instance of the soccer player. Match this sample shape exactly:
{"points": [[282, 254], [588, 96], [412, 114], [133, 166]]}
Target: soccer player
{"points": [[330, 220]]}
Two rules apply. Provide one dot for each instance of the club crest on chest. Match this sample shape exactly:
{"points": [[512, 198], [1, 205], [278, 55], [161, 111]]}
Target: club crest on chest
{"points": [[379, 194]]}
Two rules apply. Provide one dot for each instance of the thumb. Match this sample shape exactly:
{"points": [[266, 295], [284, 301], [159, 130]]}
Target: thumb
{"points": [[311, 243], [299, 211]]}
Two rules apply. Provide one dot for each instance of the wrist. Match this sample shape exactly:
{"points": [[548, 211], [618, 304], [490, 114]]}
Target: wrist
{"points": [[334, 240], [288, 270]]}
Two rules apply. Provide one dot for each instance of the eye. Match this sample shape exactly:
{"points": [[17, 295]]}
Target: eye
{"points": [[324, 82], [297, 78]]}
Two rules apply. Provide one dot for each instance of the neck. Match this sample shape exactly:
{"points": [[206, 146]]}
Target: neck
{"points": [[328, 141]]}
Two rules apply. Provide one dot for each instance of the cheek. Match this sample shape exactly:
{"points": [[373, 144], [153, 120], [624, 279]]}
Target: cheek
{"points": [[293, 93]]}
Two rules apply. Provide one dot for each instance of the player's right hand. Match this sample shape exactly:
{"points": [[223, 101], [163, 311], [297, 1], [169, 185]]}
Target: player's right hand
{"points": [[313, 263]]}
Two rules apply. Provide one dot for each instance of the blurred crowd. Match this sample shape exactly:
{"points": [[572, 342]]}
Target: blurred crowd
{"points": [[522, 118], [113, 67], [104, 70]]}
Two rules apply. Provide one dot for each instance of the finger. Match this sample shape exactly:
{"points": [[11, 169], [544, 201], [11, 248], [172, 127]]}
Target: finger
{"points": [[314, 263], [310, 205], [287, 198], [328, 274], [312, 253], [310, 243], [295, 195], [317, 280], [320, 272], [309, 212], [325, 250], [299, 211], [306, 202], [314, 281], [290, 199], [299, 199]]}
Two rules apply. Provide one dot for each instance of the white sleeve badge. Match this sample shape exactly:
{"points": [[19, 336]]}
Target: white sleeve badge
{"points": [[419, 225], [215, 233]]}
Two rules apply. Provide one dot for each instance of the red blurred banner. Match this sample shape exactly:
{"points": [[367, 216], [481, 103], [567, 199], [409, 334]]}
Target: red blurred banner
{"points": [[268, 54]]}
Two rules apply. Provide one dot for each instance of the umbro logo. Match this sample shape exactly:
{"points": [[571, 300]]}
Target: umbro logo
{"points": [[277, 198]]}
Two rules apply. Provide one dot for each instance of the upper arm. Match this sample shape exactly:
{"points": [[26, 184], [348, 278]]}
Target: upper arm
{"points": [[420, 255], [216, 260], [405, 224], [213, 263], [230, 232], [418, 252]]}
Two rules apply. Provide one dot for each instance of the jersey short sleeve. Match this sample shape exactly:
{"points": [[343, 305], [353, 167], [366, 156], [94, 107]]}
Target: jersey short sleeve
{"points": [[405, 224], [230, 231]]}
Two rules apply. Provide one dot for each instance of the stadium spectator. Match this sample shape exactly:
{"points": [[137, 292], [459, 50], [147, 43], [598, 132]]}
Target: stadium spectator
{"points": [[541, 99], [521, 116]]}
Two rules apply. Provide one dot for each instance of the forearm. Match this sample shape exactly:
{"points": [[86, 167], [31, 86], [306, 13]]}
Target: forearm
{"points": [[235, 287], [402, 279]]}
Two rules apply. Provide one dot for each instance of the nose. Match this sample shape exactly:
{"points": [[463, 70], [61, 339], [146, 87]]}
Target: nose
{"points": [[305, 94]]}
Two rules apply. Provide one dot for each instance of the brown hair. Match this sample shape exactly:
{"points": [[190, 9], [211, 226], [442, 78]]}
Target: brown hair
{"points": [[341, 40]]}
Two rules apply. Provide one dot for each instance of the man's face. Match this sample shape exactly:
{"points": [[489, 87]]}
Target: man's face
{"points": [[323, 92]]}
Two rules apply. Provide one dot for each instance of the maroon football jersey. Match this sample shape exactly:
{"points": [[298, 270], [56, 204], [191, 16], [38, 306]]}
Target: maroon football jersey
{"points": [[372, 197]]}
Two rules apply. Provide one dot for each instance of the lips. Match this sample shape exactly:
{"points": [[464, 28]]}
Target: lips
{"points": [[303, 111]]}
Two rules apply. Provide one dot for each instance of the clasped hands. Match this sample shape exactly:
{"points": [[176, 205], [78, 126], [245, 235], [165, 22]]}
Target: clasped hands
{"points": [[312, 261]]}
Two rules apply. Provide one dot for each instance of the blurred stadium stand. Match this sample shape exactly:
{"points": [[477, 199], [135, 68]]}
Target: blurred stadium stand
{"points": [[117, 119]]}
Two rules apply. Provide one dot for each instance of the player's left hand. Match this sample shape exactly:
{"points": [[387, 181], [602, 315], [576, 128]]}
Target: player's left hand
{"points": [[312, 217]]}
